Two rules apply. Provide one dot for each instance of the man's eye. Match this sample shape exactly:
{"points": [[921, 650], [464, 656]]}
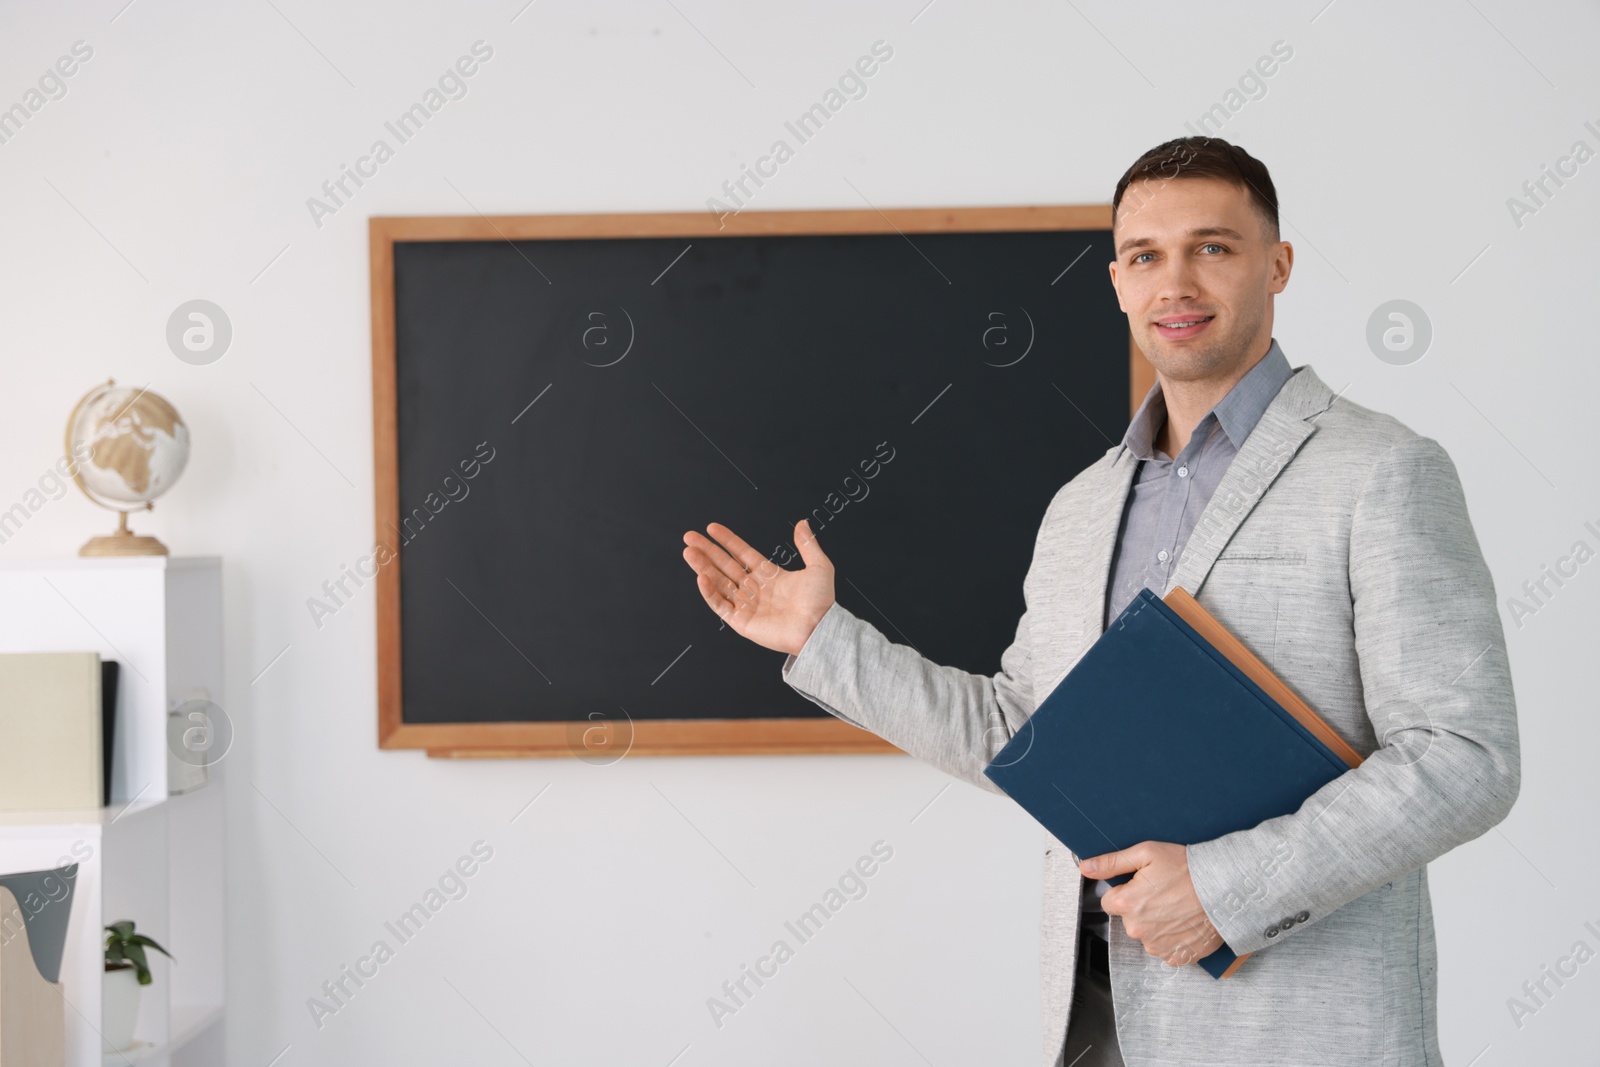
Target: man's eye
{"points": [[1214, 245], [1140, 256]]}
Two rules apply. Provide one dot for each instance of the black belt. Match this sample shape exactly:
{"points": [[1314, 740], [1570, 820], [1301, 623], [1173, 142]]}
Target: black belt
{"points": [[1094, 954]]}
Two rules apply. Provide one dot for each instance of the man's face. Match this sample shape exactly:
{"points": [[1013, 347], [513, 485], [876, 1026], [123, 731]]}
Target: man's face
{"points": [[1195, 250]]}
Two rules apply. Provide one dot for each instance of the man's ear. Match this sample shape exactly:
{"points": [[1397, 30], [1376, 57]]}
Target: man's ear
{"points": [[1282, 261]]}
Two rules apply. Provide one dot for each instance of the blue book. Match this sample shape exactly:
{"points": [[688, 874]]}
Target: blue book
{"points": [[1167, 729]]}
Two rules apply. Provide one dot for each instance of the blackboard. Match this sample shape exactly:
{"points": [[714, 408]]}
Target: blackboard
{"points": [[557, 399]]}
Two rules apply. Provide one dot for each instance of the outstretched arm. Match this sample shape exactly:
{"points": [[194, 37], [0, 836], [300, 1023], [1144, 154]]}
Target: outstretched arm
{"points": [[944, 716]]}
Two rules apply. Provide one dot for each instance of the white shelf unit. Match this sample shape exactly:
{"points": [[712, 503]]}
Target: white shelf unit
{"points": [[155, 858]]}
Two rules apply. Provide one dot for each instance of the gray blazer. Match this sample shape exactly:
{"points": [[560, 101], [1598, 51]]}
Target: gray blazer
{"points": [[1338, 548]]}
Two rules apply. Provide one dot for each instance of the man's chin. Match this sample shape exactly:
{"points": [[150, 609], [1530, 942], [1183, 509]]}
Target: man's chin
{"points": [[1184, 362]]}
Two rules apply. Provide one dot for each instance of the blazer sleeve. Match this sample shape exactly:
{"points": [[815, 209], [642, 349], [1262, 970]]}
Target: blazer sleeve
{"points": [[1436, 682], [944, 716]]}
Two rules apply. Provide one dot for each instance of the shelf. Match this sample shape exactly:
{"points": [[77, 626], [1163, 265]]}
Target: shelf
{"points": [[58, 563], [49, 823], [153, 857], [137, 1052], [189, 1021]]}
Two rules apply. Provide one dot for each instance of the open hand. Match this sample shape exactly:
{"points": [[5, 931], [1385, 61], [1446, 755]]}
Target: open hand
{"points": [[1159, 906], [758, 599]]}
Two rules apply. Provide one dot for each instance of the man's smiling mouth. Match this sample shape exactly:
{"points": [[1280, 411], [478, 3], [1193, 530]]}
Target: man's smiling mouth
{"points": [[1178, 326]]}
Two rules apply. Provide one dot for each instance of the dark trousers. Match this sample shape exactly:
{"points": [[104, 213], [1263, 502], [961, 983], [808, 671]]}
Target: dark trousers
{"points": [[1092, 1027]]}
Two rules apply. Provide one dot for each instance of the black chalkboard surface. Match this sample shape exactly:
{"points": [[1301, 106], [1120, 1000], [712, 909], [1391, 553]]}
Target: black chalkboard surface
{"points": [[564, 408]]}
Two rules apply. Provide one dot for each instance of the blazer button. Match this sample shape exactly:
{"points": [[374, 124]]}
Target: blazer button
{"points": [[1286, 923], [1272, 931], [1302, 917]]}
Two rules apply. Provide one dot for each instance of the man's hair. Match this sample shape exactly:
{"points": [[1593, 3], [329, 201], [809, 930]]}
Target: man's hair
{"points": [[1205, 157]]}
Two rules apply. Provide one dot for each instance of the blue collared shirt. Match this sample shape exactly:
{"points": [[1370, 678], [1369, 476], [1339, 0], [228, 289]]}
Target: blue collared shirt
{"points": [[1169, 494], [1167, 497]]}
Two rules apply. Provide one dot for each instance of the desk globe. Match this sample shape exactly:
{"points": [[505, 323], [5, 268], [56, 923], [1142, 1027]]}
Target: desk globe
{"points": [[126, 447]]}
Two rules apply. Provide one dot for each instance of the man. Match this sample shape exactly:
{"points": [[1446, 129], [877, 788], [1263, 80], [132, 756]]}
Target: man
{"points": [[1329, 538]]}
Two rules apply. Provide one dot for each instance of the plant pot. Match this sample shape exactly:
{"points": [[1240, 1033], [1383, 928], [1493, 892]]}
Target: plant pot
{"points": [[119, 1007]]}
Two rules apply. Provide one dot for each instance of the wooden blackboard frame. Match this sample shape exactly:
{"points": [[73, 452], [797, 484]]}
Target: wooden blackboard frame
{"points": [[683, 737]]}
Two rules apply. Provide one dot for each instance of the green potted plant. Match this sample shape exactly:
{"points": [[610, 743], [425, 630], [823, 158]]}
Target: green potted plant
{"points": [[127, 969]]}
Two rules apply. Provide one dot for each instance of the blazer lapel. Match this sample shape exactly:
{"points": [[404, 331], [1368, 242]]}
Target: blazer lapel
{"points": [[1284, 427], [1102, 537]]}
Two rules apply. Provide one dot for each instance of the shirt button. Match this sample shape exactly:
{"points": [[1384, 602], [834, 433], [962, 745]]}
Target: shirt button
{"points": [[1162, 555], [1183, 472]]}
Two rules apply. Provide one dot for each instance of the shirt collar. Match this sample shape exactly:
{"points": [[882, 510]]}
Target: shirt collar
{"points": [[1237, 413]]}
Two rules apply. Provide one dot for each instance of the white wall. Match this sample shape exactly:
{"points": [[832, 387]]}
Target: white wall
{"points": [[178, 166]]}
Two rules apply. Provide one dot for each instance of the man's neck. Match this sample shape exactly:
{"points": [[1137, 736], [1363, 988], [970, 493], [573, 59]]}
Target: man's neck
{"points": [[1188, 402]]}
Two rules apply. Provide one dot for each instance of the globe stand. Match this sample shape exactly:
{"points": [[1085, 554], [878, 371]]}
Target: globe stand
{"points": [[123, 543]]}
